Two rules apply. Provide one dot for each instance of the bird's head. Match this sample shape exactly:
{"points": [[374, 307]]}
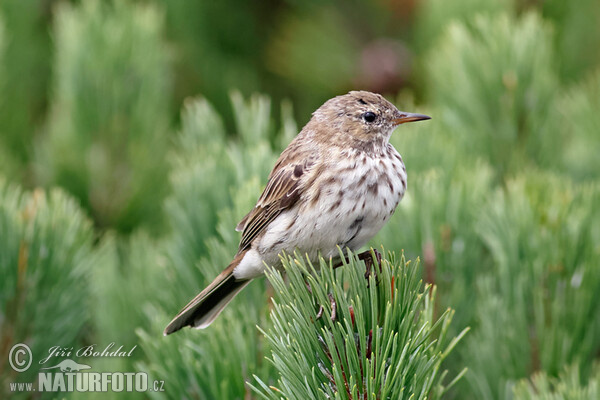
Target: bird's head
{"points": [[360, 119]]}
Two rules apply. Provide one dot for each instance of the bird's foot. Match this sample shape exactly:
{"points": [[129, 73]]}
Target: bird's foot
{"points": [[369, 260], [333, 306]]}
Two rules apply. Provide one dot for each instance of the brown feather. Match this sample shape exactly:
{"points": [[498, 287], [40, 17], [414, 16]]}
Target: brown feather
{"points": [[284, 188]]}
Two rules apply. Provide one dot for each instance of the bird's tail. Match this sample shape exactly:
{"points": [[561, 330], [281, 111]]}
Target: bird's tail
{"points": [[208, 304]]}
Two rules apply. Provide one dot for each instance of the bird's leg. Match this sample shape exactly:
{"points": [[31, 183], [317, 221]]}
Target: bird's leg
{"points": [[367, 257], [340, 263]]}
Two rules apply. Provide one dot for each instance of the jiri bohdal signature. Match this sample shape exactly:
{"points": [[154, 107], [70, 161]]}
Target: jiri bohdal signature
{"points": [[88, 351]]}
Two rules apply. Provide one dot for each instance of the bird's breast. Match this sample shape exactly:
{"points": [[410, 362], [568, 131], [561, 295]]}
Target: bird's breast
{"points": [[345, 205]]}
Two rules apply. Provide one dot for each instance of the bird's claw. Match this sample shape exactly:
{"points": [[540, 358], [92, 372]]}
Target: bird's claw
{"points": [[369, 260], [333, 306], [320, 312], [367, 257], [321, 309]]}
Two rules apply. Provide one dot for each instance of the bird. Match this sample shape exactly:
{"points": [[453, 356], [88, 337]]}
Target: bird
{"points": [[335, 186]]}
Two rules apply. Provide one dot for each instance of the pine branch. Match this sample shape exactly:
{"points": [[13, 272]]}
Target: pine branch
{"points": [[500, 96], [568, 386], [374, 339], [46, 258], [109, 115]]}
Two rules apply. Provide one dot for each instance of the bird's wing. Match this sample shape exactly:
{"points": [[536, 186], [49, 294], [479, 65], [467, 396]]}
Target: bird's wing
{"points": [[282, 191]]}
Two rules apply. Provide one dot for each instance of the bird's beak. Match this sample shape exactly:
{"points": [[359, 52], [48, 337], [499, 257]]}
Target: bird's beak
{"points": [[409, 117]]}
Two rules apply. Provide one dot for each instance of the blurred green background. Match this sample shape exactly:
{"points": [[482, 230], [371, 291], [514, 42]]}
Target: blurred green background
{"points": [[135, 134]]}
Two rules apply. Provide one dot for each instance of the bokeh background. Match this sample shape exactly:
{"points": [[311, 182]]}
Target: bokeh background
{"points": [[135, 134]]}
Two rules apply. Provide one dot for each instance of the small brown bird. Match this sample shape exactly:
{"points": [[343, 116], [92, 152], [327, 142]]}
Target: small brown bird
{"points": [[336, 184]]}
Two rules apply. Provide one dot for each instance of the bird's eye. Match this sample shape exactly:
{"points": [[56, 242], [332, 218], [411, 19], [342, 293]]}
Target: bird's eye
{"points": [[369, 116]]}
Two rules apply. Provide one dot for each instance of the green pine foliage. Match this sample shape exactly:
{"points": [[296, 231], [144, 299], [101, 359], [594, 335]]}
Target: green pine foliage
{"points": [[24, 76], [580, 123], [207, 165], [106, 139], [45, 262], [199, 171], [567, 387], [337, 335], [319, 34], [216, 47], [138, 264], [576, 32], [226, 174], [440, 150], [501, 208], [494, 82], [542, 288], [436, 222], [9, 162], [435, 16], [6, 163], [212, 363]]}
